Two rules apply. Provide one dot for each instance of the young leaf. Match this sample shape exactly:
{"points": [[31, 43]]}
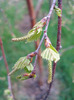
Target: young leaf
{"points": [[50, 54], [49, 72], [29, 67], [24, 37], [21, 64], [41, 23], [35, 36], [34, 33], [58, 11]]}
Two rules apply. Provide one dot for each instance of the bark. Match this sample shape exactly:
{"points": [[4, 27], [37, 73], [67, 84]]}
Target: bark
{"points": [[7, 69], [33, 22], [58, 47]]}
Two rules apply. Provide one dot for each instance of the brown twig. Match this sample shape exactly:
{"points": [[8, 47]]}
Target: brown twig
{"points": [[33, 22], [7, 69], [45, 32], [58, 47]]}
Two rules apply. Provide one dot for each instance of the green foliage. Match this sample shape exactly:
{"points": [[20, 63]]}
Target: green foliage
{"points": [[36, 35], [65, 67], [33, 34], [50, 54], [58, 11], [21, 64]]}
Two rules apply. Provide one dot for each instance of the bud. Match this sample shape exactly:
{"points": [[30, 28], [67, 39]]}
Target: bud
{"points": [[26, 76], [21, 64], [7, 92], [47, 42], [41, 23], [58, 11]]}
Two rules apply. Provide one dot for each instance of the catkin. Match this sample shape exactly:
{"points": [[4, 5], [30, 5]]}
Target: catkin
{"points": [[19, 39], [49, 72], [23, 38]]}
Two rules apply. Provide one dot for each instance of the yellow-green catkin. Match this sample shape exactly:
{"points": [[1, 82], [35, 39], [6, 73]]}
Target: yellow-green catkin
{"points": [[49, 72], [22, 38], [18, 39]]}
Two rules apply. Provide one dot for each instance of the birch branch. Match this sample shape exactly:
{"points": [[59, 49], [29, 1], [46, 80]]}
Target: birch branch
{"points": [[58, 47], [7, 69]]}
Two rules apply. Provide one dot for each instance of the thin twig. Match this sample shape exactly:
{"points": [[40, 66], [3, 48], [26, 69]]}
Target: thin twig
{"points": [[38, 50], [33, 22], [57, 47], [7, 69], [45, 31]]}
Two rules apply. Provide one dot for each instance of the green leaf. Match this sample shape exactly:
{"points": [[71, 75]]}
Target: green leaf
{"points": [[33, 34], [50, 54], [58, 11], [29, 67], [53, 49], [21, 64], [26, 70], [38, 24], [24, 37], [36, 35]]}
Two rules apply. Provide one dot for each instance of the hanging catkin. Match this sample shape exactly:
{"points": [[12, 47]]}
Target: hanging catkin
{"points": [[49, 71]]}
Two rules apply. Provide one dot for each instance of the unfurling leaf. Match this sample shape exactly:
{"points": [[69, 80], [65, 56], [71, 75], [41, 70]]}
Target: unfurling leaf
{"points": [[24, 37], [21, 64], [49, 72], [50, 54], [58, 11], [41, 23], [34, 33]]}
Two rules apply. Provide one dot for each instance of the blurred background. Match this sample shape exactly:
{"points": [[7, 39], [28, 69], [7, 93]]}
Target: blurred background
{"points": [[14, 18]]}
